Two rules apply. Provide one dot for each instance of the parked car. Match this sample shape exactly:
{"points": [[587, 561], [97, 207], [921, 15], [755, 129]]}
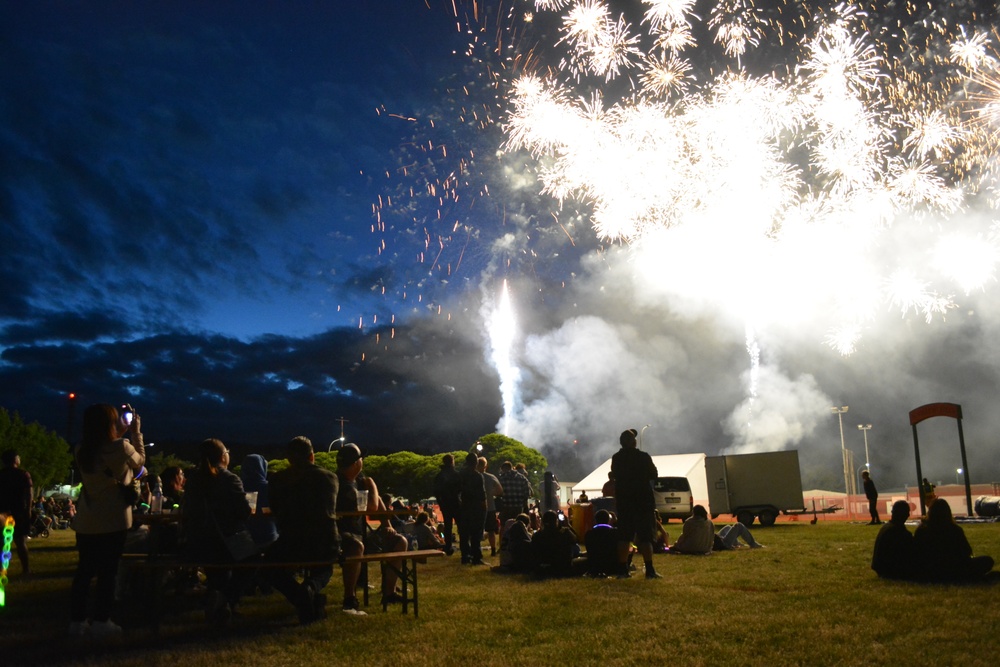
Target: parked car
{"points": [[673, 497]]}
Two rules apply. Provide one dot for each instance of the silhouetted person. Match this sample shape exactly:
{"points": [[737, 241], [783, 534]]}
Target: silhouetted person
{"points": [[927, 490], [895, 553], [871, 493], [448, 490], [602, 546], [944, 549], [635, 473], [553, 547], [608, 490], [472, 516], [303, 499], [16, 491]]}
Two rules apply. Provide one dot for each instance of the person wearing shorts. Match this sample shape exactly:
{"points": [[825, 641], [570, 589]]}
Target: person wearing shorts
{"points": [[635, 473]]}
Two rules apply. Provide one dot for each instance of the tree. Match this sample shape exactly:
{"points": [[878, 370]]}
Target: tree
{"points": [[498, 448], [43, 453], [409, 475], [160, 461]]}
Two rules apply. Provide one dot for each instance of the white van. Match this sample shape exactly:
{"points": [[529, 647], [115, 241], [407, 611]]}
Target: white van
{"points": [[673, 497]]}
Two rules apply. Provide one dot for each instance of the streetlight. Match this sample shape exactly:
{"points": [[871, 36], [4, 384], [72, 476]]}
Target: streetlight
{"points": [[341, 438], [864, 428], [843, 453]]}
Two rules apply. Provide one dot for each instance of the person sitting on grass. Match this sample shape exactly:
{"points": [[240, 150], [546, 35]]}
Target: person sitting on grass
{"points": [[728, 538], [554, 547], [661, 538], [895, 554], [698, 534], [602, 546], [943, 549], [426, 535], [515, 545]]}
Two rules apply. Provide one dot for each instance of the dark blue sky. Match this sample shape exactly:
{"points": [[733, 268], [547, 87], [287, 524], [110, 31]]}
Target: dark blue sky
{"points": [[252, 218], [187, 206]]}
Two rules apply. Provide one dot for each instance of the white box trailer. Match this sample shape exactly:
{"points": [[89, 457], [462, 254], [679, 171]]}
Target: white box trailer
{"points": [[755, 486]]}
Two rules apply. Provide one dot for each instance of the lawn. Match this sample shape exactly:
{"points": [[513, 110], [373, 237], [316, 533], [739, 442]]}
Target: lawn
{"points": [[809, 598]]}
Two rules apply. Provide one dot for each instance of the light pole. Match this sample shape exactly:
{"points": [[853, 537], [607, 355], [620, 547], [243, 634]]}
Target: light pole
{"points": [[864, 428], [341, 438], [843, 453]]}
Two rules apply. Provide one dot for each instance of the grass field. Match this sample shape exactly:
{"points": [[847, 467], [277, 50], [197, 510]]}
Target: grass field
{"points": [[809, 598]]}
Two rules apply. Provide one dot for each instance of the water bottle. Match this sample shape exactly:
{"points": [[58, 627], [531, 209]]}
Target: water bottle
{"points": [[156, 502]]}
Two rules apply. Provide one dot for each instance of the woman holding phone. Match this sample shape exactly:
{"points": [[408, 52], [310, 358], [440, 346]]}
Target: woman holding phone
{"points": [[110, 456]]}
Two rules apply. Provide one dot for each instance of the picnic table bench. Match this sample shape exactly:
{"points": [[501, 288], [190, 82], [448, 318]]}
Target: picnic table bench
{"points": [[407, 571]]}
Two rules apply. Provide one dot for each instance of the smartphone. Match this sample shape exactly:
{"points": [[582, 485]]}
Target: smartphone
{"points": [[127, 414]]}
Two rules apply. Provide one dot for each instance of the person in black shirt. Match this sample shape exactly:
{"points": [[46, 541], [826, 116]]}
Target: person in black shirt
{"points": [[895, 555], [472, 516], [635, 473], [303, 503]]}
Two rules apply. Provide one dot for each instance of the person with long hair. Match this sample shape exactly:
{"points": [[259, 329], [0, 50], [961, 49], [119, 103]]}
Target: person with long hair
{"points": [[944, 550], [106, 460], [214, 505]]}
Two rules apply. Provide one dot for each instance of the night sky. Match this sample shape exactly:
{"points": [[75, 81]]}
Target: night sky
{"points": [[249, 219]]}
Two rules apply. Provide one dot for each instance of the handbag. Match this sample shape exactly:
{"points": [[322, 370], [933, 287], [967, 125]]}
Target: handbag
{"points": [[240, 544], [129, 492]]}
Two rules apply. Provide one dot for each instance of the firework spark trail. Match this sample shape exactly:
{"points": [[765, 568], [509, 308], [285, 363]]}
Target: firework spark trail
{"points": [[743, 188], [502, 328]]}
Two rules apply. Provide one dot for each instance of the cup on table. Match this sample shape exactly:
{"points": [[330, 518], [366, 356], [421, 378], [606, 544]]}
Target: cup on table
{"points": [[362, 500], [252, 499]]}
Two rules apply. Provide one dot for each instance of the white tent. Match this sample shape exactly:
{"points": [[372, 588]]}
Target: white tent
{"points": [[691, 466]]}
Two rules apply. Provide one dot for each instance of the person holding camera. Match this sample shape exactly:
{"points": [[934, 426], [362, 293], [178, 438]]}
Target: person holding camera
{"points": [[108, 462], [555, 547]]}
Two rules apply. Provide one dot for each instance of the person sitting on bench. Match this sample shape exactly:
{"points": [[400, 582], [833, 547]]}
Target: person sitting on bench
{"points": [[303, 503], [357, 541]]}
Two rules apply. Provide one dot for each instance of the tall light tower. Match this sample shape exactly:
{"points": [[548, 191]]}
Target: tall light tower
{"points": [[843, 453], [864, 428]]}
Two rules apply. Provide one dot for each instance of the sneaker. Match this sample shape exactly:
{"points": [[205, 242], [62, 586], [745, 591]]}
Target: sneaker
{"points": [[79, 629], [653, 574], [105, 630], [758, 545], [353, 608], [624, 575]]}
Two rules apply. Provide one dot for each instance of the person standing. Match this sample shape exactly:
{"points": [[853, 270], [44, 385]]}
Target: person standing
{"points": [[107, 460], [516, 492], [472, 515], [871, 493], [493, 491], [635, 473], [16, 491], [448, 489]]}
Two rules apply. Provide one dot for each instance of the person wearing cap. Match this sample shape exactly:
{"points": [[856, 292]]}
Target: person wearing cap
{"points": [[355, 539], [635, 473], [303, 501]]}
